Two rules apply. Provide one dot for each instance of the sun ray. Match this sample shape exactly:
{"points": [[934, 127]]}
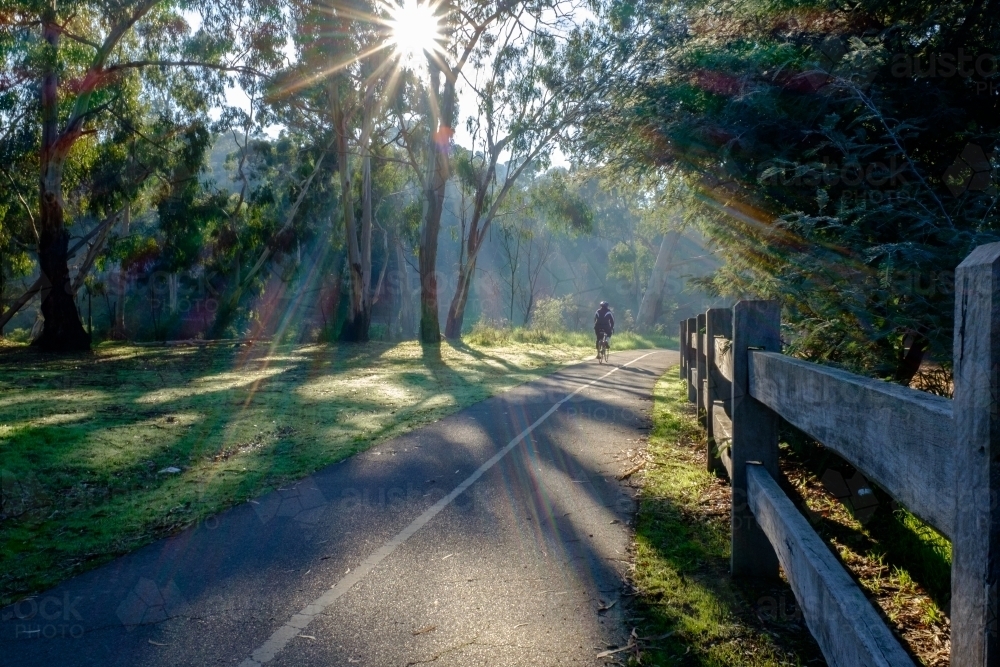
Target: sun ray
{"points": [[306, 81], [414, 31]]}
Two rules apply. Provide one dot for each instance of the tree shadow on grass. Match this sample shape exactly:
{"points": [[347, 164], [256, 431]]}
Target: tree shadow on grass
{"points": [[268, 547], [896, 537], [128, 415]]}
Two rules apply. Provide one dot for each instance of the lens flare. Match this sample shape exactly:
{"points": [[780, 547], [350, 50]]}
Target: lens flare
{"points": [[414, 30]]}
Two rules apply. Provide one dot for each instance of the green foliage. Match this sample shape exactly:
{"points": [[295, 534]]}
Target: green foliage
{"points": [[548, 315], [488, 333], [557, 198], [829, 169]]}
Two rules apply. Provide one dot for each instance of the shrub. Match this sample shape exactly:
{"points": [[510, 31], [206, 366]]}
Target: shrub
{"points": [[548, 315], [489, 333]]}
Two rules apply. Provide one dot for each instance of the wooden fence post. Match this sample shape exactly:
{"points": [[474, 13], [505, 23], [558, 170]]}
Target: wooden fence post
{"points": [[975, 568], [756, 324], [700, 356], [682, 348], [692, 362], [718, 322]]}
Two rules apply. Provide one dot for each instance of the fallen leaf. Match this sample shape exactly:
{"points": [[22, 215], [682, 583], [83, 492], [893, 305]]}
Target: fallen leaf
{"points": [[605, 654], [631, 471]]}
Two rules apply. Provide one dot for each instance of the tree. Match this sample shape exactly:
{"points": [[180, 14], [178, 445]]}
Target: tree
{"points": [[465, 32], [532, 85], [91, 61], [347, 85], [652, 298], [846, 174]]}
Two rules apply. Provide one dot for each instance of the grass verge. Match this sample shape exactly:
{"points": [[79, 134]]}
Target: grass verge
{"points": [[486, 335], [902, 564], [688, 610], [104, 452]]}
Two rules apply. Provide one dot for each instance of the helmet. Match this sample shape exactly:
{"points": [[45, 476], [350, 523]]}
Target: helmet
{"points": [[605, 304]]}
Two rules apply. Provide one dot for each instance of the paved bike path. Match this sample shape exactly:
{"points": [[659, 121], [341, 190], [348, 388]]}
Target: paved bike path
{"points": [[496, 536]]}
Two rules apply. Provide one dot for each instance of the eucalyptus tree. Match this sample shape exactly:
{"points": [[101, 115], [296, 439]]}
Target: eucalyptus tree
{"points": [[111, 69], [348, 89], [844, 158], [464, 31], [533, 85]]}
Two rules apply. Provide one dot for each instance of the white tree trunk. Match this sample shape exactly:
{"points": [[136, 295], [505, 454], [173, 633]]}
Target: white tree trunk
{"points": [[118, 332], [172, 281], [653, 297]]}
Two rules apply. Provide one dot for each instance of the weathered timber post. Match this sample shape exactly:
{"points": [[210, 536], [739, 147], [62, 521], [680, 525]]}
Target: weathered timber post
{"points": [[682, 348], [756, 325], [699, 333], [975, 568], [692, 361], [718, 392]]}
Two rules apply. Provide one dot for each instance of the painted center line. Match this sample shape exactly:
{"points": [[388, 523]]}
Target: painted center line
{"points": [[297, 623]]}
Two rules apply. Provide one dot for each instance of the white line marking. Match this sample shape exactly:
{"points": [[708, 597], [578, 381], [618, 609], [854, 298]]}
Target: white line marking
{"points": [[277, 641]]}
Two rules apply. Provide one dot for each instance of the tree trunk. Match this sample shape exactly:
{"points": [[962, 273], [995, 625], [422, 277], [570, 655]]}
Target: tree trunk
{"points": [[653, 297], [358, 321], [437, 179], [407, 319], [456, 311], [3, 289], [63, 330], [118, 331], [172, 284], [909, 363]]}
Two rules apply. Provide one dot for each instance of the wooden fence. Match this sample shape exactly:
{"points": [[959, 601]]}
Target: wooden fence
{"points": [[938, 457]]}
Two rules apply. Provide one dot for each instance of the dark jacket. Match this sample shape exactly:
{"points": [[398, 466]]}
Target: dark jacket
{"points": [[604, 321]]}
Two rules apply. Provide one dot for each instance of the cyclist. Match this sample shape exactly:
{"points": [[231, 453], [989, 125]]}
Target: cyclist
{"points": [[604, 323]]}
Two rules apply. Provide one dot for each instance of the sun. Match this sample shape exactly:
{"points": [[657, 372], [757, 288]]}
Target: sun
{"points": [[413, 30]]}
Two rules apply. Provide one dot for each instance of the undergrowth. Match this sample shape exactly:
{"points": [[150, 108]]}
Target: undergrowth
{"points": [[688, 610], [490, 335]]}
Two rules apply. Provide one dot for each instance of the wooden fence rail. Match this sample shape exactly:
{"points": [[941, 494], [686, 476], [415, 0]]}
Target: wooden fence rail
{"points": [[938, 457]]}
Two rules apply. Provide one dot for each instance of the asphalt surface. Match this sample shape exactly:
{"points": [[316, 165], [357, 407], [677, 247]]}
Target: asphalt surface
{"points": [[460, 543]]}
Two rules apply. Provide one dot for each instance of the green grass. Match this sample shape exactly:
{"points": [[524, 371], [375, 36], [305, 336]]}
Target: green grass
{"points": [[689, 610], [83, 438], [486, 335]]}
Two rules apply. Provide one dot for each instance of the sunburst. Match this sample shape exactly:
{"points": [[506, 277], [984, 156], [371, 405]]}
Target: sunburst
{"points": [[414, 31]]}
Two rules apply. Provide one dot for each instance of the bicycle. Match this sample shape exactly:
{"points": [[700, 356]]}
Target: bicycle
{"points": [[602, 349]]}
